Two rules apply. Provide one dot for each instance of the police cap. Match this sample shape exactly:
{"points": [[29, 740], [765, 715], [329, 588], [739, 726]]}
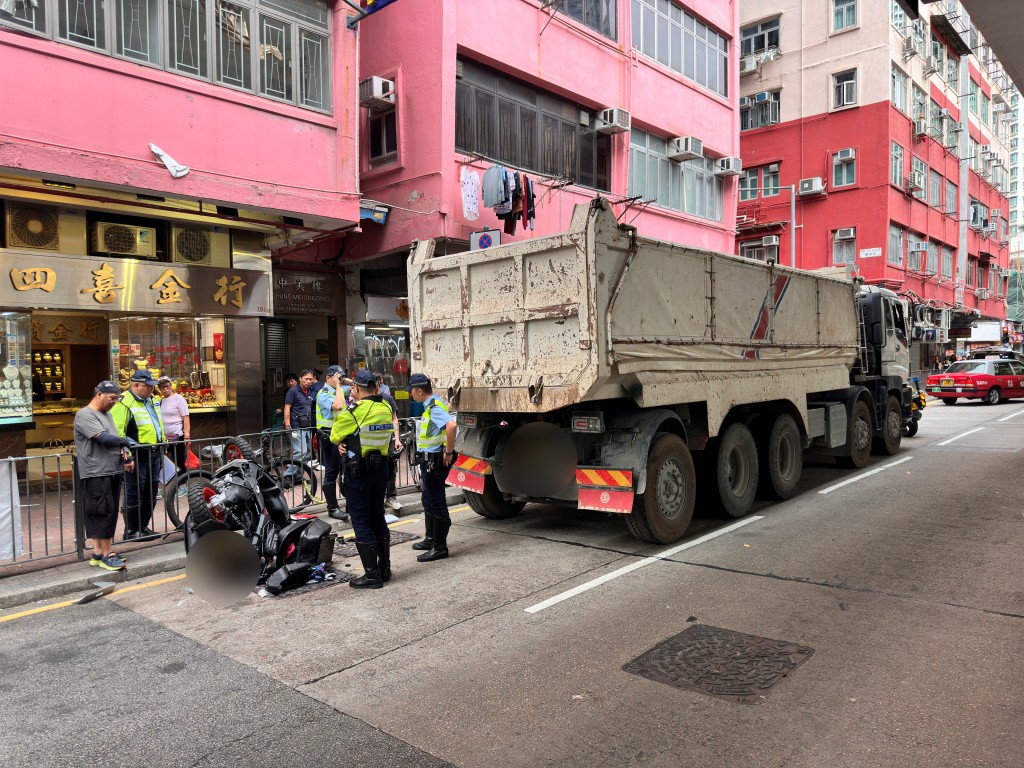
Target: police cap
{"points": [[366, 379], [419, 380]]}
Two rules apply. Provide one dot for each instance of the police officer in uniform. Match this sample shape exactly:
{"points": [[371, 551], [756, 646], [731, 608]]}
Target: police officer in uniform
{"points": [[436, 444], [136, 416], [364, 433], [330, 400]]}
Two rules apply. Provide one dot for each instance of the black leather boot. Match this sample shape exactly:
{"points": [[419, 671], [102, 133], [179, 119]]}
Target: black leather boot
{"points": [[428, 536], [371, 578], [384, 559], [440, 549]]}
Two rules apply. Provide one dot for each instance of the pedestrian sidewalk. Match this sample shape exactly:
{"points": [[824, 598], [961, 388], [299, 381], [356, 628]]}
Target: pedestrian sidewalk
{"points": [[68, 579]]}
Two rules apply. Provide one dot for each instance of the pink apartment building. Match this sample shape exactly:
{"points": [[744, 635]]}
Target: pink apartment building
{"points": [[630, 99], [894, 134], [151, 156]]}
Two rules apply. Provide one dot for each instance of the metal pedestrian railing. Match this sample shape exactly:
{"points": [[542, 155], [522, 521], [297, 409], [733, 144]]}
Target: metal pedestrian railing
{"points": [[39, 518]]}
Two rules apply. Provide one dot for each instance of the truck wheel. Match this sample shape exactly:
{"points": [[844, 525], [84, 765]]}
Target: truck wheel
{"points": [[781, 459], [491, 503], [994, 396], [892, 429], [736, 471], [662, 513], [860, 437]]}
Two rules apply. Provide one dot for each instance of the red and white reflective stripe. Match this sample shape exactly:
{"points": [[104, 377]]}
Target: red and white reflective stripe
{"points": [[606, 490]]}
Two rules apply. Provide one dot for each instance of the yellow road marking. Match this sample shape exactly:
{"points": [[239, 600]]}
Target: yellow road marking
{"points": [[34, 611]]}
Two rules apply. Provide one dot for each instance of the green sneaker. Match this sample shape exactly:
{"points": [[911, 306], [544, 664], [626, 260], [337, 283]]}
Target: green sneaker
{"points": [[96, 558], [111, 562]]}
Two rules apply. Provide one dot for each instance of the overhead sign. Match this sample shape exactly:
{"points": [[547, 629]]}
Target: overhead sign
{"points": [[479, 241], [307, 293]]}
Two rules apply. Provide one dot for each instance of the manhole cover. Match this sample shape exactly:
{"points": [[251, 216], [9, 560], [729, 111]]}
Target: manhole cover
{"points": [[348, 548], [720, 662]]}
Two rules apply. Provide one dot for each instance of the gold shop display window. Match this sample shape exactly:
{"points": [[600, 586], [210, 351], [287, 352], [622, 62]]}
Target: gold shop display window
{"points": [[16, 378], [191, 352]]}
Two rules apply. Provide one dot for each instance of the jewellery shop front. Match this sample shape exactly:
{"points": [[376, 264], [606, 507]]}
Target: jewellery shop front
{"points": [[69, 322]]}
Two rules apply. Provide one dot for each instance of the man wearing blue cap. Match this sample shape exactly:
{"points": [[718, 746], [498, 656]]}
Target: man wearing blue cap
{"points": [[136, 416], [436, 442], [364, 432]]}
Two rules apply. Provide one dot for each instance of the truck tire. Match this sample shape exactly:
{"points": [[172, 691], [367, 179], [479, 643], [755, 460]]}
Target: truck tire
{"points": [[888, 444], [736, 471], [491, 504], [662, 513], [860, 437], [781, 458]]}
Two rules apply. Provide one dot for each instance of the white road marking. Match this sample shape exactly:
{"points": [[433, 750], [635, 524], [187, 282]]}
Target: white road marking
{"points": [[962, 434], [1007, 418], [862, 475], [638, 564]]}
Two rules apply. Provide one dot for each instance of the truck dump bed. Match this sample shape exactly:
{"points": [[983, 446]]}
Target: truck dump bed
{"points": [[599, 313]]}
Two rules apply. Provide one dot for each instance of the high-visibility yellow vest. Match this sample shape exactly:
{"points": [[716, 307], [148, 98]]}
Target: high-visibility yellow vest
{"points": [[130, 407], [426, 442], [373, 418]]}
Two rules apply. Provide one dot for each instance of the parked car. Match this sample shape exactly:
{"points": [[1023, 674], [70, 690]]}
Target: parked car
{"points": [[996, 353], [990, 380]]}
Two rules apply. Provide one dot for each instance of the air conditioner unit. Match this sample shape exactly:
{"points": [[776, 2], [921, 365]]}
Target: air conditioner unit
{"points": [[930, 66], [762, 96], [773, 168], [944, 114], [915, 182], [811, 186], [981, 293], [917, 246], [459, 70], [846, 233], [990, 229], [45, 228], [995, 213], [920, 128], [377, 93], [770, 240], [583, 118], [846, 154], [200, 246], [746, 102], [612, 120], [729, 166], [749, 65], [985, 150], [908, 48], [124, 240], [685, 148], [955, 128]]}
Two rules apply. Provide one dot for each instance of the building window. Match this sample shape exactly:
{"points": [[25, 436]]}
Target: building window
{"points": [[703, 191], [932, 267], [844, 249], [947, 261], [952, 197], [896, 165], [914, 241], [652, 175], [382, 128], [757, 251], [953, 73], [770, 181], [895, 255], [972, 98], [897, 15], [844, 170], [844, 89], [919, 172], [935, 188], [599, 15], [939, 54], [671, 36], [206, 40], [759, 114], [748, 184], [844, 14], [508, 121], [760, 37], [972, 265], [899, 89]]}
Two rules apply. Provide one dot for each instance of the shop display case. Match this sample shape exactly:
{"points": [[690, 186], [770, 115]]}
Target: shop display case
{"points": [[50, 365], [16, 376]]}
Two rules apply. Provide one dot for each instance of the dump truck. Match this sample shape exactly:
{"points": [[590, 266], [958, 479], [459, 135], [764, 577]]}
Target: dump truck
{"points": [[605, 371]]}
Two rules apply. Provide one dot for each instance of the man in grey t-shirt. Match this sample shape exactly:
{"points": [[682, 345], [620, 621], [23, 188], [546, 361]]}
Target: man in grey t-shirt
{"points": [[101, 455]]}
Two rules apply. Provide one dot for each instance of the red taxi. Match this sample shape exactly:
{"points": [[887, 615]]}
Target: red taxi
{"points": [[990, 380]]}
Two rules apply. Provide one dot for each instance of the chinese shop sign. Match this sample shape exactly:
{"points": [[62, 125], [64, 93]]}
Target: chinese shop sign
{"points": [[69, 282], [307, 293]]}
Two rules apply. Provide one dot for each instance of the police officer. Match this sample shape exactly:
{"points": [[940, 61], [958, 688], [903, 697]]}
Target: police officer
{"points": [[136, 416], [436, 443], [364, 432], [330, 399]]}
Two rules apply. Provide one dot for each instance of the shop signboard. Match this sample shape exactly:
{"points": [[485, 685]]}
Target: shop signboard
{"points": [[307, 293], [127, 285]]}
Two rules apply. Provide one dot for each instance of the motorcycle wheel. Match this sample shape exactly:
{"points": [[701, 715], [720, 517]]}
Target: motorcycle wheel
{"points": [[909, 430]]}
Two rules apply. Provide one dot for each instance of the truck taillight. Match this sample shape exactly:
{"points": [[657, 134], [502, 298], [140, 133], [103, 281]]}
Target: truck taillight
{"points": [[593, 423], [466, 419]]}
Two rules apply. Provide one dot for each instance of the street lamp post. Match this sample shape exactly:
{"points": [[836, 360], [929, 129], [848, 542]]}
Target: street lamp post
{"points": [[792, 215]]}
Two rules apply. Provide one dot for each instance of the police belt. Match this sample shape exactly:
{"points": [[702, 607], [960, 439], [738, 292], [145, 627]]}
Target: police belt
{"points": [[357, 467], [432, 460]]}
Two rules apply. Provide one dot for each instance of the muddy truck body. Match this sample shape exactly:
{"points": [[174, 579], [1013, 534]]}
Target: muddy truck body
{"points": [[602, 370]]}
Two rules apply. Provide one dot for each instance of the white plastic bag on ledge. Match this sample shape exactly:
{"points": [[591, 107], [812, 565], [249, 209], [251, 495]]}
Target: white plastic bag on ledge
{"points": [[10, 512]]}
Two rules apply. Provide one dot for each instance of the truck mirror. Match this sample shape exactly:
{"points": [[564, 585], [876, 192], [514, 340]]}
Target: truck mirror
{"points": [[876, 334]]}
